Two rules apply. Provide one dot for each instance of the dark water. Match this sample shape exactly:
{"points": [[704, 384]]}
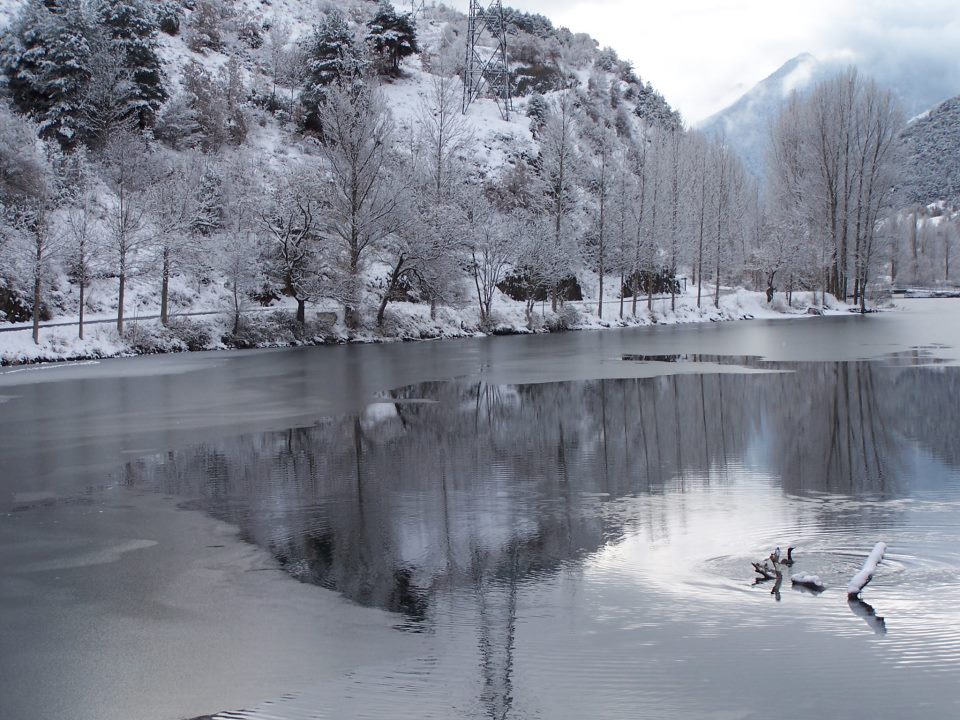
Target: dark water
{"points": [[583, 549]]}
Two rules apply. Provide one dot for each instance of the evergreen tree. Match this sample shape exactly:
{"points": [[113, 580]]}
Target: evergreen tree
{"points": [[332, 58], [392, 35], [46, 58], [131, 27]]}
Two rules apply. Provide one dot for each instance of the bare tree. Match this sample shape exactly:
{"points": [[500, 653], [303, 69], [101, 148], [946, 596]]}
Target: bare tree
{"points": [[175, 214], [558, 169], [602, 169], [29, 194], [493, 251], [429, 215], [831, 163], [361, 196], [124, 168], [236, 244], [84, 243]]}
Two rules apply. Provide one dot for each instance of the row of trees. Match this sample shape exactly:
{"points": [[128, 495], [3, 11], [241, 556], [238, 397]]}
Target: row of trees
{"points": [[833, 170], [414, 212]]}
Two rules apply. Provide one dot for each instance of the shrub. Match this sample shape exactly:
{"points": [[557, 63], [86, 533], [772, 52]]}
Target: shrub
{"points": [[194, 335], [567, 318], [168, 17]]}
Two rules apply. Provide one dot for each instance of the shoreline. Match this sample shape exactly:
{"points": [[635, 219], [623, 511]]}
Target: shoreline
{"points": [[145, 338]]}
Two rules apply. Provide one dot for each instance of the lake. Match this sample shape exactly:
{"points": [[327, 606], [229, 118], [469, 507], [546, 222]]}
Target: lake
{"points": [[541, 527]]}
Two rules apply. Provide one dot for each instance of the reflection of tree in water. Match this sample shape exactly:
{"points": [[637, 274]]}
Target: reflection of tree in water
{"points": [[829, 433], [488, 487], [926, 405]]}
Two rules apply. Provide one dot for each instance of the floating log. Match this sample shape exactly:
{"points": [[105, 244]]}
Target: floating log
{"points": [[813, 582], [860, 580]]}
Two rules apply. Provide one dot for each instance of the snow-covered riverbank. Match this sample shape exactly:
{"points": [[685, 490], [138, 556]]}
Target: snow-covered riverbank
{"points": [[201, 330]]}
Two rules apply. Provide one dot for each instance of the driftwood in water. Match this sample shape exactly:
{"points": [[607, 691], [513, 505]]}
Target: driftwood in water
{"points": [[860, 580], [765, 571]]}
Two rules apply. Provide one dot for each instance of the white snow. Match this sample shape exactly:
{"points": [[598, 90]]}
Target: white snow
{"points": [[811, 581], [860, 580]]}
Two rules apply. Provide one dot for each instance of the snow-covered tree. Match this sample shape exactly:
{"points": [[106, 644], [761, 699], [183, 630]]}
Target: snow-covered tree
{"points": [[237, 254], [125, 168], [426, 240], [205, 26], [177, 215], [392, 35], [559, 167], [600, 175], [130, 26], [289, 222], [46, 59], [361, 194], [333, 57], [84, 241], [29, 195]]}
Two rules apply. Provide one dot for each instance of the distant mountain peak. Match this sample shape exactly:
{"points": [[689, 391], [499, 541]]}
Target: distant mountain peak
{"points": [[745, 123]]}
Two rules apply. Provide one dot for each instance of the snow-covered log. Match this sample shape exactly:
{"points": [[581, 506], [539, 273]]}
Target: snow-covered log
{"points": [[809, 581], [860, 580]]}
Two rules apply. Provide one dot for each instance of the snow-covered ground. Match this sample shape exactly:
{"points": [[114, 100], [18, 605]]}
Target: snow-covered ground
{"points": [[201, 320]]}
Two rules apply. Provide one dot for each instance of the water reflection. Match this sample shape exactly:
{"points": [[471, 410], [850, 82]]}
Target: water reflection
{"points": [[489, 484], [864, 610], [448, 503]]}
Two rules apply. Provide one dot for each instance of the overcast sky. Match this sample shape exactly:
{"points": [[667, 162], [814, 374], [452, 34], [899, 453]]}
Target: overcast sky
{"points": [[703, 54]]}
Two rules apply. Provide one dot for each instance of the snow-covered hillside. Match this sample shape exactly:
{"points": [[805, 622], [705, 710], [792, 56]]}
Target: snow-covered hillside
{"points": [[931, 148]]}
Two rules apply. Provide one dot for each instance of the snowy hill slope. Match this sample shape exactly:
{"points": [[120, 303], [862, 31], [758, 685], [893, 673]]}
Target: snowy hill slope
{"points": [[931, 148]]}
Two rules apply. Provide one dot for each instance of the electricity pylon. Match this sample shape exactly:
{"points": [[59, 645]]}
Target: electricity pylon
{"points": [[483, 67]]}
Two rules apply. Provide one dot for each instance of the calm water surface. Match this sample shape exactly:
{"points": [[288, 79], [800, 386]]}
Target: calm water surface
{"points": [[567, 546]]}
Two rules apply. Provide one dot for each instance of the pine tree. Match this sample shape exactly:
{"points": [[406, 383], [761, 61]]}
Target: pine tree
{"points": [[132, 29], [392, 35], [46, 58], [332, 58]]}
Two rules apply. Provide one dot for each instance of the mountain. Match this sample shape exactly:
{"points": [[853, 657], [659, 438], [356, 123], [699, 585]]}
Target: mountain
{"points": [[746, 122], [931, 149], [918, 82]]}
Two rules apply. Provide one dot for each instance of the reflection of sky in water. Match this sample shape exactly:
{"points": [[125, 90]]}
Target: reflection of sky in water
{"points": [[583, 549]]}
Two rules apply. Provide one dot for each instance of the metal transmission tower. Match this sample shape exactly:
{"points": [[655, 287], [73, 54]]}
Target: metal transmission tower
{"points": [[485, 66], [416, 7]]}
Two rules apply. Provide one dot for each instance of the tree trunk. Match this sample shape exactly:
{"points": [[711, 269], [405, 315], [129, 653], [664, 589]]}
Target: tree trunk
{"points": [[716, 296], [913, 246], [391, 286], [121, 295], [622, 280], [83, 289], [236, 298], [37, 286], [600, 305], [165, 289], [301, 311], [484, 307]]}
